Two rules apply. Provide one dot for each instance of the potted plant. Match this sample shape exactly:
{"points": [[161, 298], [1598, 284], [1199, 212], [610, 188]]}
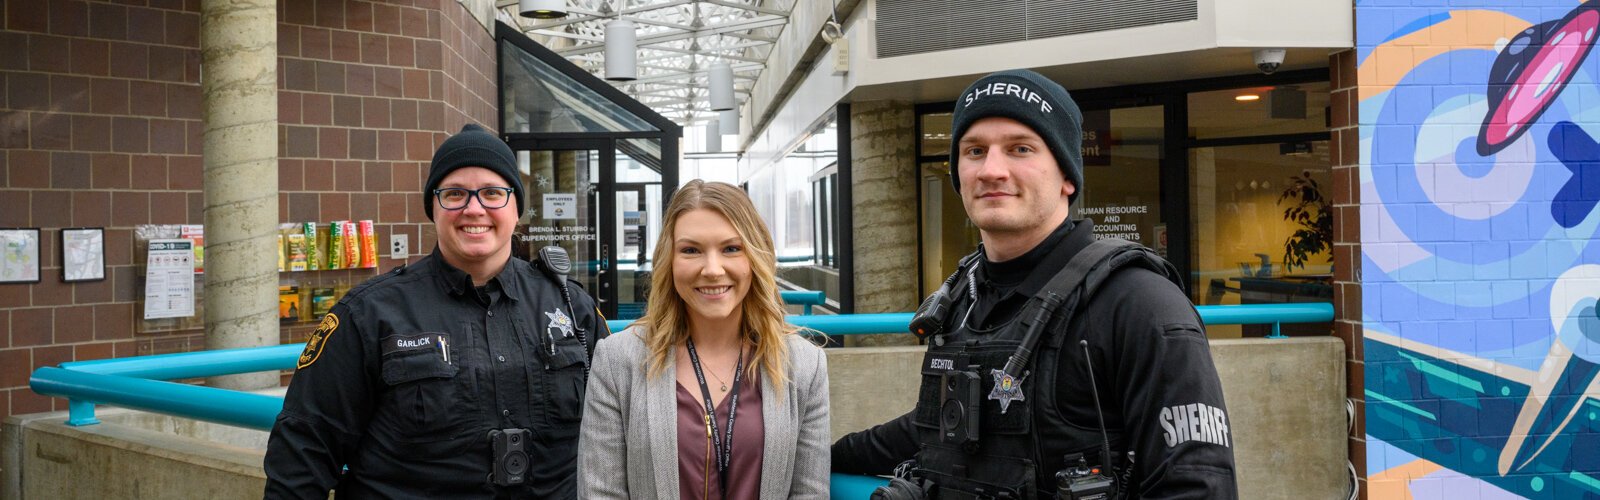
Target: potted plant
{"points": [[1312, 212]]}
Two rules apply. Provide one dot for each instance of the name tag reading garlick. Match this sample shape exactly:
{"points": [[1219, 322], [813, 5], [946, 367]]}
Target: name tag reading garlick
{"points": [[427, 340]]}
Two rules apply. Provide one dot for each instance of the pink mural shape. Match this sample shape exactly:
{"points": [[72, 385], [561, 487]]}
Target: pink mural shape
{"points": [[1532, 69]]}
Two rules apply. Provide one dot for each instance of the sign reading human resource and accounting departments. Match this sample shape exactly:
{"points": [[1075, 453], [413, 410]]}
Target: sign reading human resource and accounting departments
{"points": [[1123, 222]]}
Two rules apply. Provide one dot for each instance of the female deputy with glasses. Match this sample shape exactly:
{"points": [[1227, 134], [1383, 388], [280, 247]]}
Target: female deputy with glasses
{"points": [[458, 376], [710, 395]]}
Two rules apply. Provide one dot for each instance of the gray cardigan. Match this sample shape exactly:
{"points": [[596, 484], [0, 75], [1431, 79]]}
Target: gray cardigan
{"points": [[629, 442]]}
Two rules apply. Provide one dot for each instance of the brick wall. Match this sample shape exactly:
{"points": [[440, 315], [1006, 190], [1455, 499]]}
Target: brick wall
{"points": [[100, 125], [1345, 144]]}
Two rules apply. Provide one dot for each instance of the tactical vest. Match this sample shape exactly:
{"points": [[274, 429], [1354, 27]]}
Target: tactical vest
{"points": [[1021, 441]]}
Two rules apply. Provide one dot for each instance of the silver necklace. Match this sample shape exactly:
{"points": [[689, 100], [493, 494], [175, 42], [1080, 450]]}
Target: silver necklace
{"points": [[719, 377]]}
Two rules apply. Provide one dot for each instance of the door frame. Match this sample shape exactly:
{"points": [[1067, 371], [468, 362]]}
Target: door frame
{"points": [[606, 277], [646, 247]]}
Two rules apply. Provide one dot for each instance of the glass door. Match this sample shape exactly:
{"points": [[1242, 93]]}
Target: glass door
{"points": [[635, 203], [600, 199], [562, 208], [1122, 153], [638, 226]]}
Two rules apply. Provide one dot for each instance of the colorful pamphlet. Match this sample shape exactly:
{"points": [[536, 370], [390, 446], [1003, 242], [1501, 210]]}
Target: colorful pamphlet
{"points": [[322, 300], [297, 252], [324, 252], [352, 245], [288, 303], [313, 260], [336, 245], [369, 245]]}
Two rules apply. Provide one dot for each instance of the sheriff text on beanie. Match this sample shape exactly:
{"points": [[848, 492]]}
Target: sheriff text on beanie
{"points": [[1035, 101]]}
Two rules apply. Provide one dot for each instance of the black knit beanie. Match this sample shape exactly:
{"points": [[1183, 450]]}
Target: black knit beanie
{"points": [[1030, 98], [473, 147]]}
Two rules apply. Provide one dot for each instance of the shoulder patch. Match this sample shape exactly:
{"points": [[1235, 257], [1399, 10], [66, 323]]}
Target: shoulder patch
{"points": [[317, 341]]}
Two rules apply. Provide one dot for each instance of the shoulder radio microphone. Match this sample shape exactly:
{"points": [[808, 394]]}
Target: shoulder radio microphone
{"points": [[553, 261]]}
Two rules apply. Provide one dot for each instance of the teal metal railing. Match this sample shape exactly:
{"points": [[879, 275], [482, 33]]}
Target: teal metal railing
{"points": [[1265, 314], [841, 324], [785, 259], [1253, 314], [141, 382], [628, 311], [803, 298]]}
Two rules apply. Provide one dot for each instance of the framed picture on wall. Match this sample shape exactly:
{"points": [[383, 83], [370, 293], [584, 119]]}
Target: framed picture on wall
{"points": [[83, 254], [19, 255]]}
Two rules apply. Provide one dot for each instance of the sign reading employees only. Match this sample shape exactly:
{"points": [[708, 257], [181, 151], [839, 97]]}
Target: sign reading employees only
{"points": [[560, 206]]}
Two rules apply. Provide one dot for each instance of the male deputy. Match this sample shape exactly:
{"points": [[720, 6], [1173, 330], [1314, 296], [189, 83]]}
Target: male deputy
{"points": [[414, 374], [1018, 168]]}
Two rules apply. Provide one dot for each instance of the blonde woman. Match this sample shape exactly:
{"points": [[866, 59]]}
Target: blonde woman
{"points": [[710, 395]]}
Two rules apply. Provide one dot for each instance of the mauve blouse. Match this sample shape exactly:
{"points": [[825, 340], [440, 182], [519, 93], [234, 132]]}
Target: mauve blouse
{"points": [[744, 469]]}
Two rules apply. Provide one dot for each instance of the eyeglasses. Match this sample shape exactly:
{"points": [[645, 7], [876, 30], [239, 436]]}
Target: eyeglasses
{"points": [[457, 198]]}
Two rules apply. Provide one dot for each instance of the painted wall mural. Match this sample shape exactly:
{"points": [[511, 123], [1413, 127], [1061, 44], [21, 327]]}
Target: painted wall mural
{"points": [[1480, 175]]}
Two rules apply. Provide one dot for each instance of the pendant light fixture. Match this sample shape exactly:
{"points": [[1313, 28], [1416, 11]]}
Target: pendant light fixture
{"points": [[721, 87], [622, 56], [713, 133], [729, 120], [542, 9]]}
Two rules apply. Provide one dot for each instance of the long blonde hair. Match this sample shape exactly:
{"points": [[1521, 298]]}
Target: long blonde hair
{"points": [[666, 317]]}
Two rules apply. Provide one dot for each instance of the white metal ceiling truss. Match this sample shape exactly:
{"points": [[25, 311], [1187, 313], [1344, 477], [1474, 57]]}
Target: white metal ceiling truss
{"points": [[678, 40]]}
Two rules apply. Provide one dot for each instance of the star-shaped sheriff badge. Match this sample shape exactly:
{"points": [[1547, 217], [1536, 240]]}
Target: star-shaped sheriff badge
{"points": [[1006, 388]]}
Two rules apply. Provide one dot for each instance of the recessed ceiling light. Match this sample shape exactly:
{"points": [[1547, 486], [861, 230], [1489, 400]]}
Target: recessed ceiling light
{"points": [[1246, 97]]}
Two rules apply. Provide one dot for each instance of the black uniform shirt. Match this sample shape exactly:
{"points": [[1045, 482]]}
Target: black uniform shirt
{"points": [[1003, 287], [1152, 367], [404, 379]]}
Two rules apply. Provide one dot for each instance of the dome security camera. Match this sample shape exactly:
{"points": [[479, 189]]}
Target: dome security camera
{"points": [[831, 31], [1268, 60]]}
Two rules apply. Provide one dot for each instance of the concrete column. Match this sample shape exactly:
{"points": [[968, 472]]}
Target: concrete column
{"points": [[238, 50], [883, 163]]}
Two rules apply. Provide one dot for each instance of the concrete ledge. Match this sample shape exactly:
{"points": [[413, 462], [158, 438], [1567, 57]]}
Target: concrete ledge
{"points": [[113, 460], [868, 386], [1286, 407], [1286, 402], [131, 454]]}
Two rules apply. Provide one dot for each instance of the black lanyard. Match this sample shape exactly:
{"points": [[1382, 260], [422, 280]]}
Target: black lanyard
{"points": [[723, 445]]}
